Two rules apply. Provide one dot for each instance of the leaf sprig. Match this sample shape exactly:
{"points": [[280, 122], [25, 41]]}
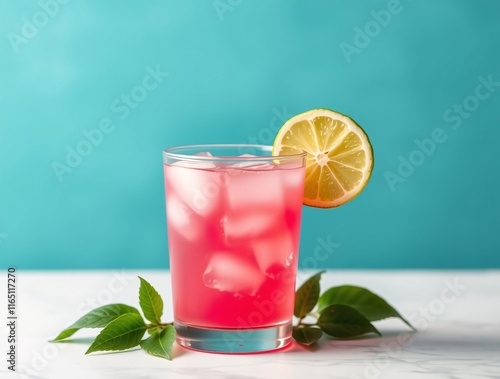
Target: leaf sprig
{"points": [[342, 312], [124, 327]]}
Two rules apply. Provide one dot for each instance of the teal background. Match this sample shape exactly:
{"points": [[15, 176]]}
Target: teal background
{"points": [[233, 65]]}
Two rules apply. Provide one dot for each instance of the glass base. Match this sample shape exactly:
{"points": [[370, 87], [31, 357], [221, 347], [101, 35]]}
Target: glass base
{"points": [[234, 341]]}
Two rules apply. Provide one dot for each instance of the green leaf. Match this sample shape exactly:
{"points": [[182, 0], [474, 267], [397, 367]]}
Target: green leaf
{"points": [[150, 301], [160, 342], [124, 332], [98, 318], [344, 322], [307, 296], [306, 335], [372, 306]]}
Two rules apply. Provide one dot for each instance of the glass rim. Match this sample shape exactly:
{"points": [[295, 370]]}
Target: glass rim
{"points": [[171, 153]]}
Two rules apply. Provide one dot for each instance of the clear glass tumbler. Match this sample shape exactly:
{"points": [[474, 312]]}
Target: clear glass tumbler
{"points": [[233, 220]]}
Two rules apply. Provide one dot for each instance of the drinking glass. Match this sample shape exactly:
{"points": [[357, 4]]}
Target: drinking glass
{"points": [[233, 221]]}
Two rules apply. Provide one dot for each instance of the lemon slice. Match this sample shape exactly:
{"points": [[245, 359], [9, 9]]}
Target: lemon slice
{"points": [[339, 155]]}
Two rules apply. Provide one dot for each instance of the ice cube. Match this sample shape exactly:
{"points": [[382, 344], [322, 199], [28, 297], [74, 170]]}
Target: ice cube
{"points": [[255, 204], [204, 154], [254, 189], [242, 225], [294, 178], [200, 189], [182, 219], [279, 249], [252, 164], [230, 272]]}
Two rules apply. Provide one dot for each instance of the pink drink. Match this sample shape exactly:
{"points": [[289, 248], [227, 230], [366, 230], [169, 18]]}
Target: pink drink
{"points": [[234, 239]]}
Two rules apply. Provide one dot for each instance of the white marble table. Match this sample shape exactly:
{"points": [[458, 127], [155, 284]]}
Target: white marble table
{"points": [[457, 313]]}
